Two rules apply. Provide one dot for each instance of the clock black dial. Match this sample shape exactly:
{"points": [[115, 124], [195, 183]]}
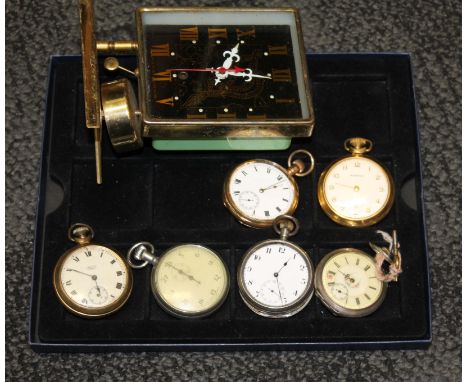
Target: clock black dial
{"points": [[221, 72]]}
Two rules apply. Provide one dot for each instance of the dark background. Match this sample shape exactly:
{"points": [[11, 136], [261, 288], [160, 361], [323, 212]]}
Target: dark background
{"points": [[429, 30]]}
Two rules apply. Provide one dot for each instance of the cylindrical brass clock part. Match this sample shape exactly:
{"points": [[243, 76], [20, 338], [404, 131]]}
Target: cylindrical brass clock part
{"points": [[119, 107], [119, 46]]}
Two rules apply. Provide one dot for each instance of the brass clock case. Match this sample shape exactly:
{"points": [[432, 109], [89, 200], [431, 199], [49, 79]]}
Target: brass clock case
{"points": [[209, 128]]}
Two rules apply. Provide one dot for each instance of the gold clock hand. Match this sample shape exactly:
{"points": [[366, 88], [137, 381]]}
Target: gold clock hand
{"points": [[272, 186], [356, 188]]}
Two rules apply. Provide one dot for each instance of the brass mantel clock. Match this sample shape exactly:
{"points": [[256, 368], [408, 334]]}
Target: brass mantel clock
{"points": [[207, 79]]}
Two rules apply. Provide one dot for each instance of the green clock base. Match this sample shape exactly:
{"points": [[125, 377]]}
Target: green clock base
{"points": [[222, 144]]}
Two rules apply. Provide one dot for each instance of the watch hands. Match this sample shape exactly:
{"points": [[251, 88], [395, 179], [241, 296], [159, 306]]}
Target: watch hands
{"points": [[279, 290], [355, 188], [347, 276], [94, 277], [190, 277], [86, 274], [97, 286], [286, 263], [344, 185], [272, 186]]}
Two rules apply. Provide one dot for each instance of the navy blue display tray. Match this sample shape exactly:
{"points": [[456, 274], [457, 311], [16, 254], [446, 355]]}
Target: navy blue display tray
{"points": [[169, 198]]}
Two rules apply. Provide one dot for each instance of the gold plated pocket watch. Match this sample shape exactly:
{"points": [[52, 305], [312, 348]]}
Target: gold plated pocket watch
{"points": [[188, 281], [356, 191], [275, 277], [257, 191], [91, 280]]}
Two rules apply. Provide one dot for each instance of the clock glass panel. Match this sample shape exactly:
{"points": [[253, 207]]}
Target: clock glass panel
{"points": [[211, 66]]}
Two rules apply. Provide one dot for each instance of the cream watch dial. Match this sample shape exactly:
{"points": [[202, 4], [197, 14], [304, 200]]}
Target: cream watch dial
{"points": [[93, 276], [261, 191], [190, 280], [357, 188], [349, 279], [346, 282]]}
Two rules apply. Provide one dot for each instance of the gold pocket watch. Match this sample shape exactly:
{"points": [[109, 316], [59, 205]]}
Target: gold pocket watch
{"points": [[352, 283], [275, 277], [91, 280], [356, 191], [257, 191], [188, 281]]}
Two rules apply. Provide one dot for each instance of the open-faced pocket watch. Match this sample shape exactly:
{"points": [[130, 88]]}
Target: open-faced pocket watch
{"points": [[257, 191], [352, 283], [188, 281], [356, 191], [275, 277], [91, 280], [208, 79]]}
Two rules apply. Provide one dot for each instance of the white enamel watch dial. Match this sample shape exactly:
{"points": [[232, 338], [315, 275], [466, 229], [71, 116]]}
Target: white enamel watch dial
{"points": [[346, 283], [356, 190], [188, 281], [275, 278], [92, 280], [258, 191]]}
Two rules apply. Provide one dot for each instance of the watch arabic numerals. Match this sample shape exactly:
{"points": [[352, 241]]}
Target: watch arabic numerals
{"points": [[356, 190], [275, 277], [187, 281], [223, 72], [257, 191], [346, 283], [91, 280]]}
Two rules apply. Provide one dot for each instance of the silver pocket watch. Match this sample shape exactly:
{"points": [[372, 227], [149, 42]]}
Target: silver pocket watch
{"points": [[275, 276]]}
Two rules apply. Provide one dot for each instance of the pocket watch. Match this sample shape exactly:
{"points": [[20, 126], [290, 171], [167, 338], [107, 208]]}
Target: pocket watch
{"points": [[91, 280], [188, 281], [275, 277], [257, 191], [206, 77], [356, 191], [346, 283]]}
